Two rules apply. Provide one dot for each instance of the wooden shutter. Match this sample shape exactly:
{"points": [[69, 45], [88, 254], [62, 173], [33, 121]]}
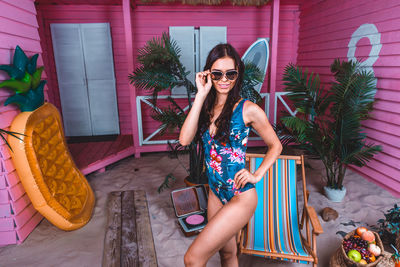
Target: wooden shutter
{"points": [[184, 37], [97, 47], [210, 37], [68, 55]]}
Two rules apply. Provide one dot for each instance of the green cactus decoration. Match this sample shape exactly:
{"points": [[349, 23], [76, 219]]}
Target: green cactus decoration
{"points": [[25, 81]]}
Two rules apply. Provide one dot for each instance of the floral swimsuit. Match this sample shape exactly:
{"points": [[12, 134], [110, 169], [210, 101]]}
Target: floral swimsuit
{"points": [[223, 161]]}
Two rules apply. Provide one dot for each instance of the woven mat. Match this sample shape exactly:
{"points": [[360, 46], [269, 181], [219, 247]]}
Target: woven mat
{"points": [[338, 261]]}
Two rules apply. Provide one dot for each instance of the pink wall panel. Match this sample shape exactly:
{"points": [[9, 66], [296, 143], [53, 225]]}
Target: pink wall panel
{"points": [[18, 26], [320, 43], [5, 210], [244, 26], [88, 14]]}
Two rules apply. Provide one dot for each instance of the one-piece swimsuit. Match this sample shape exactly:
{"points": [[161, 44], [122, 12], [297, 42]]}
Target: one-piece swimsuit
{"points": [[224, 160]]}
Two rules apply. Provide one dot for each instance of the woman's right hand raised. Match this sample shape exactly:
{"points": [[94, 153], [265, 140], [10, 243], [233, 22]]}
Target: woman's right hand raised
{"points": [[203, 82]]}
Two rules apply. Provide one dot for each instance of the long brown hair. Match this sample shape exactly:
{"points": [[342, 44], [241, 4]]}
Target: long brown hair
{"points": [[223, 121]]}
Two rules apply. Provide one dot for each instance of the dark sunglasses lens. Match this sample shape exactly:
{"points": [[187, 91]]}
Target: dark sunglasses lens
{"points": [[231, 75], [216, 75]]}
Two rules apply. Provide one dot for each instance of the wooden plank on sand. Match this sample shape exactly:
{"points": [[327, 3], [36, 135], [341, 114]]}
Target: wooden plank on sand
{"points": [[129, 248], [112, 240], [129, 239], [147, 252]]}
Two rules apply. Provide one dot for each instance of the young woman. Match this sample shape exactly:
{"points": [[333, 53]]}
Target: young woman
{"points": [[223, 120]]}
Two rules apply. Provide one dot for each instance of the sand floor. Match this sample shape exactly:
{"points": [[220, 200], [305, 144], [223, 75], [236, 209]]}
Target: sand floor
{"points": [[48, 246]]}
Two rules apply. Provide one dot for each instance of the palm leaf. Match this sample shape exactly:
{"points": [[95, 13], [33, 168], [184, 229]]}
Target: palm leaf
{"points": [[361, 156], [304, 90], [169, 179], [171, 118], [13, 134], [252, 77]]}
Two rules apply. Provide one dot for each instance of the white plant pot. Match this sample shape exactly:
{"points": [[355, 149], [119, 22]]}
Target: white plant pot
{"points": [[335, 195]]}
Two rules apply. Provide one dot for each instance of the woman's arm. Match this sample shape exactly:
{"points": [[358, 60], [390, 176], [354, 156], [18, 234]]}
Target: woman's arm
{"points": [[257, 118], [189, 127]]}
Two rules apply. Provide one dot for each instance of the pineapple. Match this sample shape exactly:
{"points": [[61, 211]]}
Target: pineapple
{"points": [[56, 187]]}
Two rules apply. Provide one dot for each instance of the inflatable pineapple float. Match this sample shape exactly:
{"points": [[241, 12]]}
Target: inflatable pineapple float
{"points": [[56, 187]]}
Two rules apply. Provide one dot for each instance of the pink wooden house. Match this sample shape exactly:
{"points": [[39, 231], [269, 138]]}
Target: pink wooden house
{"points": [[309, 33]]}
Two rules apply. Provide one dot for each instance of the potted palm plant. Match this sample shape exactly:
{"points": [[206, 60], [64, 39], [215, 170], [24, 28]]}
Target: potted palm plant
{"points": [[161, 69], [327, 125]]}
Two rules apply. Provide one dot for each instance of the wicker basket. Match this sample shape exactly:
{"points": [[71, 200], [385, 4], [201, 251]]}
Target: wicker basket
{"points": [[352, 263]]}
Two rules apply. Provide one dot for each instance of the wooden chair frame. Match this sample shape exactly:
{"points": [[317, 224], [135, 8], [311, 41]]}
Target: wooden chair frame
{"points": [[309, 216]]}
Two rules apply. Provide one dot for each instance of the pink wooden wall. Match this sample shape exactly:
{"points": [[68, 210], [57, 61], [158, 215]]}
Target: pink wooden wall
{"points": [[88, 14], [18, 26], [244, 26], [326, 28]]}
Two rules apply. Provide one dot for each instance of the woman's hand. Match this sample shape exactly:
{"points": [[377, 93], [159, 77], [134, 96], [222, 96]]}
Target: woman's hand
{"points": [[203, 82], [243, 177]]}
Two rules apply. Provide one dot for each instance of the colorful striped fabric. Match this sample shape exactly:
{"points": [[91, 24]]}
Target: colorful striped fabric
{"points": [[274, 226]]}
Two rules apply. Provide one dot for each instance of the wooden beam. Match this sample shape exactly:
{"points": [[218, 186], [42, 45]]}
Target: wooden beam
{"points": [[129, 245], [129, 239], [112, 240], [274, 57], [126, 10], [147, 252]]}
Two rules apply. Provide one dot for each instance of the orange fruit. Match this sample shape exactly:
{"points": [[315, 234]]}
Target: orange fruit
{"points": [[362, 261], [368, 236], [372, 258], [361, 230]]}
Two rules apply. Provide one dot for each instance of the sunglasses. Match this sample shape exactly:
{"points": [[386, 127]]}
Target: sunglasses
{"points": [[217, 75]]}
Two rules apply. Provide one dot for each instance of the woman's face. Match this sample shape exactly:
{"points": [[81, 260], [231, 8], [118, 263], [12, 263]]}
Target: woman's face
{"points": [[224, 85]]}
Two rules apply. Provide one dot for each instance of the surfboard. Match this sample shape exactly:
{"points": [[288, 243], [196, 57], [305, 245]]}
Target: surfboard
{"points": [[258, 54]]}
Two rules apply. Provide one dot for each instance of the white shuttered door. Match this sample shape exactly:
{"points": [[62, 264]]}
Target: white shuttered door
{"points": [[85, 72], [184, 37], [210, 37], [195, 44], [71, 76], [100, 78]]}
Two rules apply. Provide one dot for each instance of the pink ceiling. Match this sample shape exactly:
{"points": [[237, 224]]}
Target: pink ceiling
{"points": [[79, 2], [119, 2]]}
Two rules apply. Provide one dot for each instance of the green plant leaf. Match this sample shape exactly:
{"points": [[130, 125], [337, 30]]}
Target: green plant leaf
{"points": [[20, 59], [16, 85], [36, 98], [31, 66], [29, 101], [252, 76], [19, 99], [169, 179], [13, 134], [328, 122], [36, 77], [13, 72]]}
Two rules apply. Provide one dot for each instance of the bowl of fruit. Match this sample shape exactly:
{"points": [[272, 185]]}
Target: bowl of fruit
{"points": [[362, 247]]}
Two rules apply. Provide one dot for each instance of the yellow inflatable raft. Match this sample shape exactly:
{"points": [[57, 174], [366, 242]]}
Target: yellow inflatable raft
{"points": [[56, 187]]}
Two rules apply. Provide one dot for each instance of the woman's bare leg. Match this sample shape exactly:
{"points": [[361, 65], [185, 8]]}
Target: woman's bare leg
{"points": [[221, 230], [228, 254]]}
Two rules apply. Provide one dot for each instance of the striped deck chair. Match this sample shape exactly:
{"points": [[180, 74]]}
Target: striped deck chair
{"points": [[275, 230]]}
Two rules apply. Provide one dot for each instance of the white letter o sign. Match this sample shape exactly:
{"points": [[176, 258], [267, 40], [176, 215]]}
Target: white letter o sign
{"points": [[371, 32]]}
